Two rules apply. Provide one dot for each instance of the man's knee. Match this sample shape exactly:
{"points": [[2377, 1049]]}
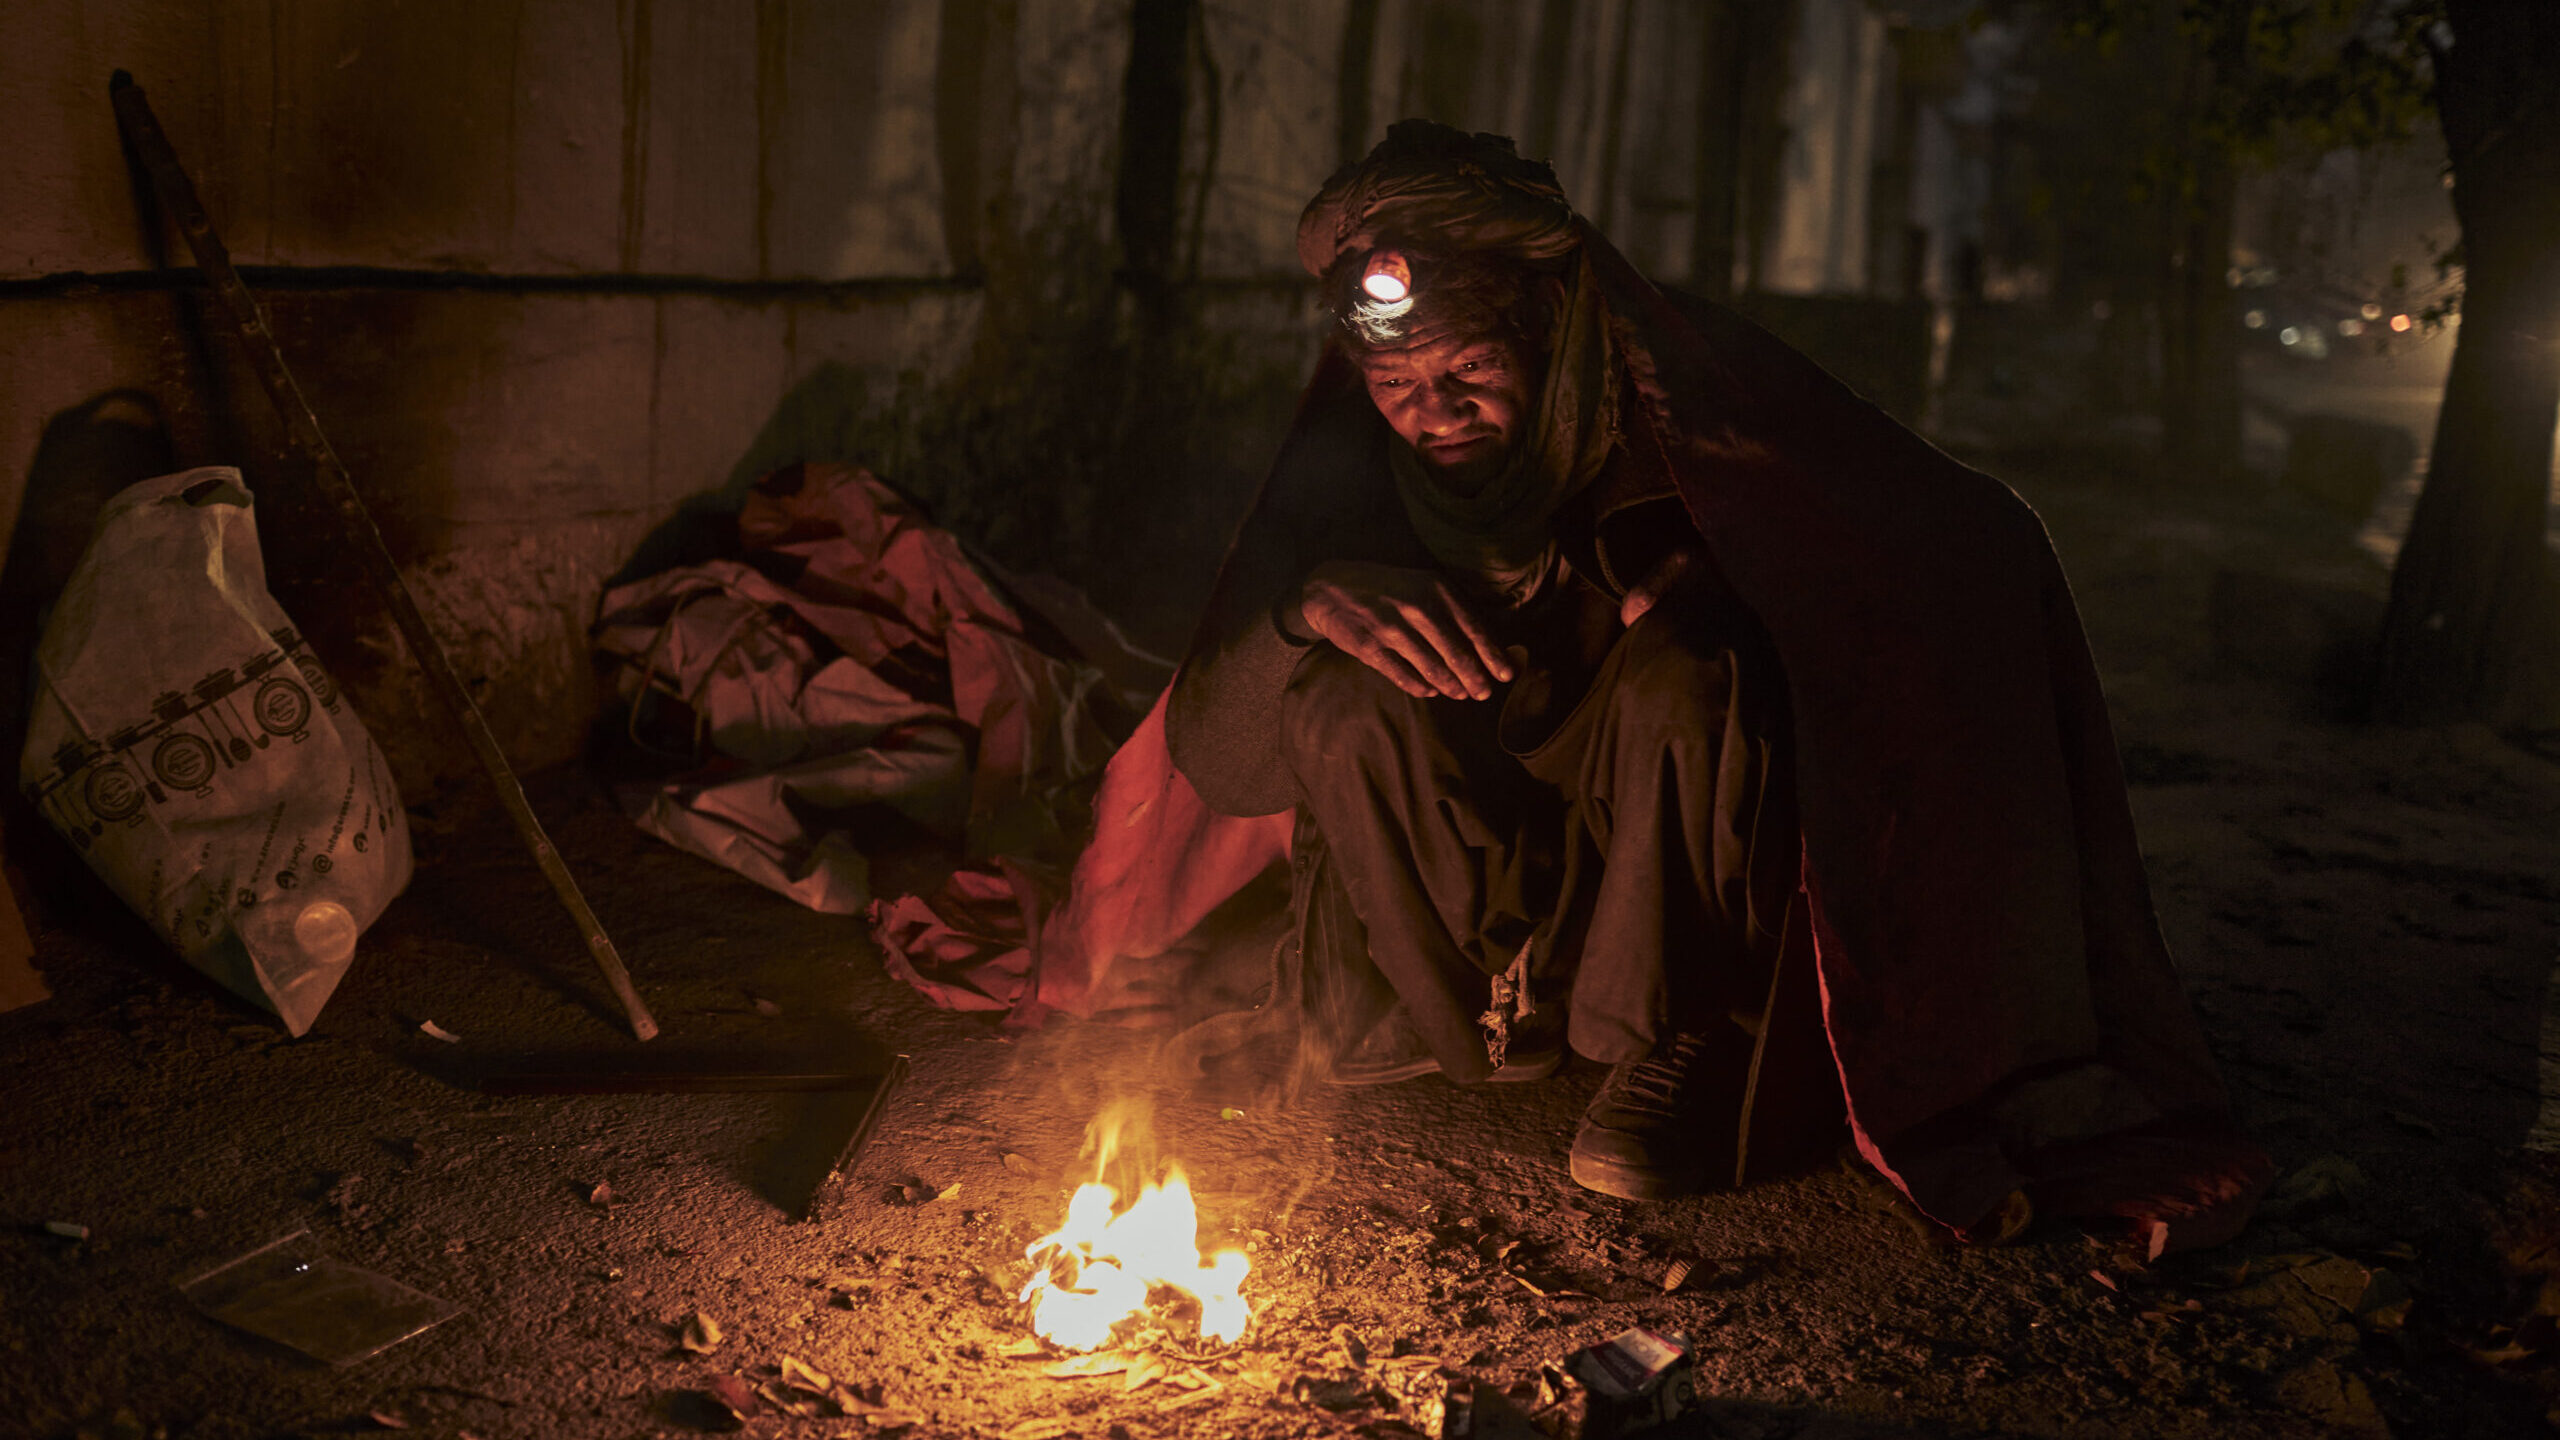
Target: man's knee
{"points": [[1337, 710], [1673, 679]]}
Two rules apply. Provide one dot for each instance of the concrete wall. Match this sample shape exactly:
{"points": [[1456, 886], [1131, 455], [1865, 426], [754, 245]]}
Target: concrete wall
{"points": [[549, 267]]}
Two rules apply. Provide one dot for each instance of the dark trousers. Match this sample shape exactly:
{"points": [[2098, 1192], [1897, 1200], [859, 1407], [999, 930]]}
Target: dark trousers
{"points": [[1627, 799]]}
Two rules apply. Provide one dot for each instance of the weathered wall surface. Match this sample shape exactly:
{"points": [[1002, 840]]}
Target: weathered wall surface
{"points": [[549, 267], [545, 270]]}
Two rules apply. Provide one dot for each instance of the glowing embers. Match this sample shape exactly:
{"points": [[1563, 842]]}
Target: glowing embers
{"points": [[1101, 1268]]}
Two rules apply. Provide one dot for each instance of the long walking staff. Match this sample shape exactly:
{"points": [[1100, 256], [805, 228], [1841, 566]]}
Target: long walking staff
{"points": [[178, 194]]}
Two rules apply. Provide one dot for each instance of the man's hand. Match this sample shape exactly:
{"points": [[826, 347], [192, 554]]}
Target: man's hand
{"points": [[1665, 577], [1405, 624]]}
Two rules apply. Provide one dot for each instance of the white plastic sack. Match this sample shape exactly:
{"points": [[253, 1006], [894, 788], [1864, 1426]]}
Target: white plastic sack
{"points": [[186, 741]]}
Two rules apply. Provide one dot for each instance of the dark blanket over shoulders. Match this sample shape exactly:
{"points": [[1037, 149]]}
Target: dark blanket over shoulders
{"points": [[2000, 1003]]}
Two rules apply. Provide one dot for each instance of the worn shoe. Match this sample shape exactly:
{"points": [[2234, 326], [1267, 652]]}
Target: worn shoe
{"points": [[1643, 1137], [1393, 1051]]}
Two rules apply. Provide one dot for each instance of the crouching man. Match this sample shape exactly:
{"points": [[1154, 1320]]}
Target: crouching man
{"points": [[1622, 668]]}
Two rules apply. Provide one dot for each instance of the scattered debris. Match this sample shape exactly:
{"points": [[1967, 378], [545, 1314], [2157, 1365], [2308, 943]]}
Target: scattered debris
{"points": [[1144, 1371], [1633, 1381], [1017, 1164], [1087, 1367], [1676, 1274], [792, 1401], [68, 1230], [916, 1190], [1229, 1112], [796, 1371], [434, 1031], [1328, 1392], [1203, 1387], [2327, 1180], [385, 1420], [700, 1334], [1421, 1391], [764, 1007], [291, 1292], [1353, 1347], [601, 1195], [722, 1404]]}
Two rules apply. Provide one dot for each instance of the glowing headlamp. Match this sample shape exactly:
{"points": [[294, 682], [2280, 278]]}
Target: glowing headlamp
{"points": [[1388, 279], [1380, 306]]}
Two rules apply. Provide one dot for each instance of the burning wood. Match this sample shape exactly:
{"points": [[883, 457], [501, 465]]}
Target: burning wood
{"points": [[1104, 1264]]}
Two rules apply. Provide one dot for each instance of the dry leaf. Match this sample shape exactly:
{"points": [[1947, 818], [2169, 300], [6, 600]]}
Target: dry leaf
{"points": [[434, 1031], [730, 1401], [1352, 1345], [701, 1335], [1195, 1397], [1086, 1367], [2156, 1241], [2103, 1278], [791, 1402], [1029, 1347], [796, 1372], [1143, 1372], [1676, 1274], [68, 1230], [766, 1007], [1017, 1164], [384, 1419], [947, 1191], [601, 1195], [1037, 1430]]}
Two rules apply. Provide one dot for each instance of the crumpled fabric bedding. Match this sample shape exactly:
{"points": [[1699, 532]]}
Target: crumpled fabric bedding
{"points": [[857, 681]]}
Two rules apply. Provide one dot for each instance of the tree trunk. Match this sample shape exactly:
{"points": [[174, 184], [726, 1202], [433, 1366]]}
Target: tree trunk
{"points": [[2473, 605], [1147, 198], [2199, 342]]}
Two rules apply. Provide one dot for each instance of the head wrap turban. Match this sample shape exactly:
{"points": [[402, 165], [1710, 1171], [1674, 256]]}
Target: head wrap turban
{"points": [[1426, 181]]}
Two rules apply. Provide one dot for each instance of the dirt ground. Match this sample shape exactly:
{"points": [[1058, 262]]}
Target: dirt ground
{"points": [[2365, 917]]}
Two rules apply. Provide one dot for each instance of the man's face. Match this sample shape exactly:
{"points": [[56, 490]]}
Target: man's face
{"points": [[1460, 402]]}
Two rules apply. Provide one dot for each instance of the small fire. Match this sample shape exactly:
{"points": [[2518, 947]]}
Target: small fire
{"points": [[1096, 1270]]}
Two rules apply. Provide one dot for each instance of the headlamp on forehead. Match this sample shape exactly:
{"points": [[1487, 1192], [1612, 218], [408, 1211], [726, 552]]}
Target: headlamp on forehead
{"points": [[1387, 279], [1383, 301]]}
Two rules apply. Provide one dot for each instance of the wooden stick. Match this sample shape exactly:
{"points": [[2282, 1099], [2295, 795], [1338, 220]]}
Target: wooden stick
{"points": [[178, 194]]}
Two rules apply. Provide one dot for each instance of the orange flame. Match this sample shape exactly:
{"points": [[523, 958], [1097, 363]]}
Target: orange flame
{"points": [[1096, 1269]]}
